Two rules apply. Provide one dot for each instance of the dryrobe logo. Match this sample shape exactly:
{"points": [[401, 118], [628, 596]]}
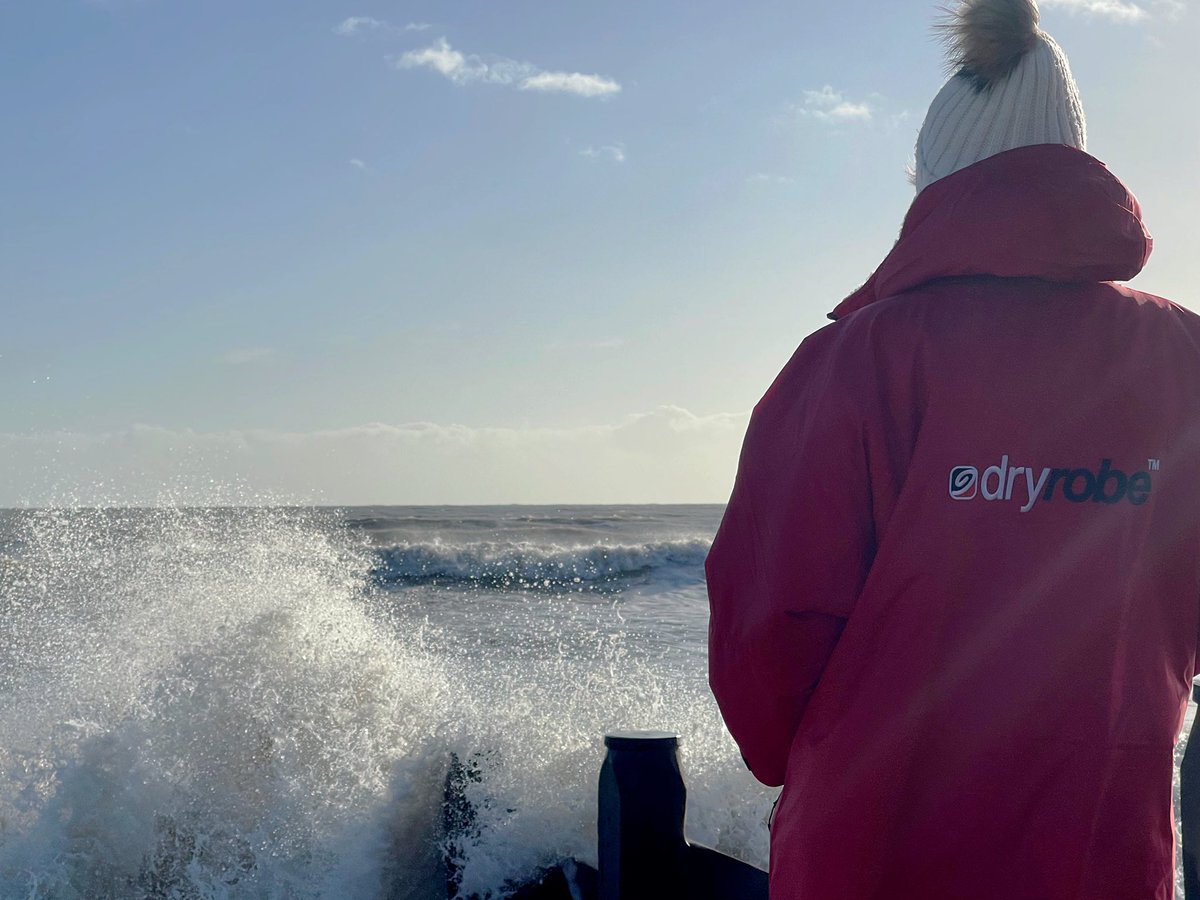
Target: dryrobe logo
{"points": [[964, 482], [1029, 486]]}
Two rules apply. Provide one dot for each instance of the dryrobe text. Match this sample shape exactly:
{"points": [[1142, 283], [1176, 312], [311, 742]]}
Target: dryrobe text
{"points": [[1106, 485]]}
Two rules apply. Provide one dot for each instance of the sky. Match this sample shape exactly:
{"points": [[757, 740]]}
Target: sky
{"points": [[467, 252]]}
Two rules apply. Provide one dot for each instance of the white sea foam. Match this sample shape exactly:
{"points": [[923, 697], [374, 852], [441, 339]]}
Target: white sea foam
{"points": [[221, 704], [200, 706]]}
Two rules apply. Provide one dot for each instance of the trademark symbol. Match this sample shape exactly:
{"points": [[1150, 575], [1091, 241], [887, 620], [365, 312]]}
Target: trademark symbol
{"points": [[1155, 465]]}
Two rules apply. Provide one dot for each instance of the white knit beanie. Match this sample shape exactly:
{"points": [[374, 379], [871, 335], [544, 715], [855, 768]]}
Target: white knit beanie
{"points": [[1013, 88]]}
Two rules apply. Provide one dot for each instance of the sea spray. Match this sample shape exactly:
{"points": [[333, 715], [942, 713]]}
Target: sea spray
{"points": [[228, 703], [199, 705]]}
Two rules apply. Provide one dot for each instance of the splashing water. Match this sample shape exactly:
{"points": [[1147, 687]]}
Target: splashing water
{"points": [[227, 703]]}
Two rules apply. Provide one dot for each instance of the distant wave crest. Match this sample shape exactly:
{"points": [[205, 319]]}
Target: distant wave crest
{"points": [[526, 566]]}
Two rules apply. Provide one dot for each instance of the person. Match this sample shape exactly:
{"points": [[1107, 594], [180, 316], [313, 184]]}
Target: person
{"points": [[955, 595]]}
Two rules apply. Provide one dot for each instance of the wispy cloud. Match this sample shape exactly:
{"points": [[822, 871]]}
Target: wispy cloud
{"points": [[459, 68], [764, 179], [1125, 12], [246, 355], [571, 83], [665, 455], [359, 164], [464, 69], [828, 105], [356, 25], [609, 152], [1117, 10]]}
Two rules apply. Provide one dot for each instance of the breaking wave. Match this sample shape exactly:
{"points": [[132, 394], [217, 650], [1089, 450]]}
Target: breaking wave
{"points": [[220, 704], [531, 567]]}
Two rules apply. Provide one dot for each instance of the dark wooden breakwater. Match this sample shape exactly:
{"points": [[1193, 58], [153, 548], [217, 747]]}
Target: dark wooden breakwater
{"points": [[643, 851]]}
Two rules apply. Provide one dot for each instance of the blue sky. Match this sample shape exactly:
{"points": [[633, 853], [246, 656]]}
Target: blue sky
{"points": [[467, 251]]}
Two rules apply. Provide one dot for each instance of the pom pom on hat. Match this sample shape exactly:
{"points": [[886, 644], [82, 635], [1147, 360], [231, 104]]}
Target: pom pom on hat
{"points": [[1012, 88], [986, 39]]}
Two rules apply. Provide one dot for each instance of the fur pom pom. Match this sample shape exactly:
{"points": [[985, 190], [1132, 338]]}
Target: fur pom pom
{"points": [[987, 38]]}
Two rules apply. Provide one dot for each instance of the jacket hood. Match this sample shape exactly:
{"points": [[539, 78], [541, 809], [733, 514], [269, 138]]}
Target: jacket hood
{"points": [[1050, 212]]}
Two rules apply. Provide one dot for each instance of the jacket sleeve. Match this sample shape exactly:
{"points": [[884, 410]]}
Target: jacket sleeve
{"points": [[791, 554]]}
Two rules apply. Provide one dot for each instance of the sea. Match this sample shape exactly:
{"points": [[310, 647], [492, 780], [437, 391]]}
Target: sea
{"points": [[265, 702]]}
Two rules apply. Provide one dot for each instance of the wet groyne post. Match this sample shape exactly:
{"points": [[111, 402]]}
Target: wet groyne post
{"points": [[644, 854], [641, 808], [1189, 808]]}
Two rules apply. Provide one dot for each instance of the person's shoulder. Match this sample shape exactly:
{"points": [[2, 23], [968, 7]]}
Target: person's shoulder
{"points": [[828, 346], [1171, 320], [1150, 301], [829, 362]]}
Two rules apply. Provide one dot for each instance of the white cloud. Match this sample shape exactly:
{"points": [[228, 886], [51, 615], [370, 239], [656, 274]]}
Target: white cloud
{"points": [[356, 25], [610, 152], [668, 455], [829, 105], [571, 83], [246, 355], [465, 69], [359, 164], [1117, 10], [445, 60], [1124, 12], [768, 178]]}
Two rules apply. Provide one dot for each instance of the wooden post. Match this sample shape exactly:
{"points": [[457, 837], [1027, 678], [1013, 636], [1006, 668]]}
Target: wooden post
{"points": [[642, 802], [643, 852], [1189, 809]]}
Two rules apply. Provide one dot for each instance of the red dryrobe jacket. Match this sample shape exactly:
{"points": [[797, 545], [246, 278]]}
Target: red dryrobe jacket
{"points": [[956, 593]]}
